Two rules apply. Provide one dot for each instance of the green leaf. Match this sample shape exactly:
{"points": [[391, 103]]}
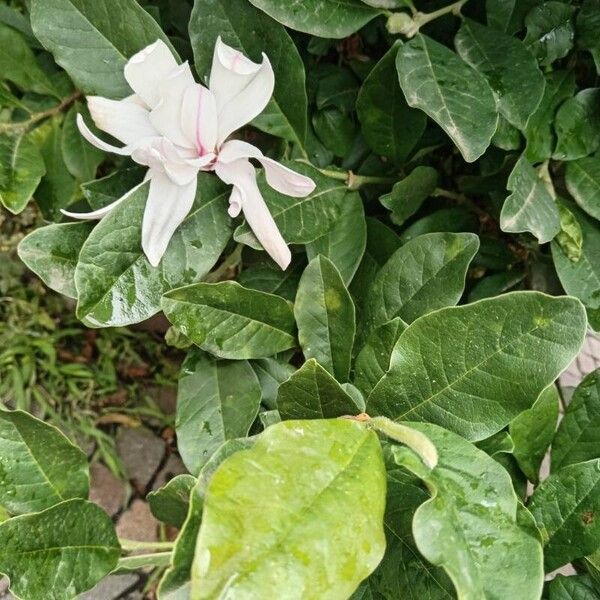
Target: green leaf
{"points": [[335, 130], [170, 503], [325, 315], [582, 278], [496, 284], [271, 373], [469, 526], [250, 31], [344, 244], [453, 94], [217, 400], [446, 220], [324, 18], [529, 207], [508, 15], [116, 283], [279, 513], [577, 126], [336, 87], [266, 276], [550, 31], [231, 321], [587, 23], [574, 587], [18, 64], [583, 182], [560, 85], [93, 39], [509, 67], [408, 195], [474, 368], [102, 192], [570, 236], [566, 507], [81, 158], [578, 435], [51, 252], [39, 466], [532, 432], [390, 126], [425, 274], [58, 553], [21, 170], [312, 393]]}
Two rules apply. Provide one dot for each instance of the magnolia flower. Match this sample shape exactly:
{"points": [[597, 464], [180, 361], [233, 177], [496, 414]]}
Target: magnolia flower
{"points": [[178, 127]]}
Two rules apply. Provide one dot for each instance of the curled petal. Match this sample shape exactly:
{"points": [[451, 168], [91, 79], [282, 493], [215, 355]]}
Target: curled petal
{"points": [[101, 212], [125, 120], [235, 203], [145, 70], [199, 119], [166, 116], [166, 208], [242, 176], [241, 87], [93, 139], [279, 177]]}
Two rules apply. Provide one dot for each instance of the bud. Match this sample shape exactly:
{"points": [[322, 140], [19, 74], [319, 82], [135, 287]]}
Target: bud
{"points": [[403, 23]]}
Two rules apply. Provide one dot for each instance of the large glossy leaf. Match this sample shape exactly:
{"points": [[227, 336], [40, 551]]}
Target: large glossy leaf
{"points": [[470, 526], [93, 39], [102, 192], [116, 283], [267, 276], [58, 553], [577, 126], [509, 67], [560, 85], [231, 321], [532, 432], [324, 18], [170, 503], [325, 316], [581, 278], [21, 170], [578, 435], [271, 373], [302, 220], [373, 360], [217, 400], [572, 587], [344, 244], [583, 182], [550, 30], [277, 515], [473, 368], [312, 393], [39, 466], [530, 207], [425, 274], [52, 252], [251, 31], [18, 64], [389, 125], [452, 93], [566, 507]]}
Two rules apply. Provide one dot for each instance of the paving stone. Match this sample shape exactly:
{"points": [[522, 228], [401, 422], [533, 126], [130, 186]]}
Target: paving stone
{"points": [[111, 587], [141, 452], [173, 466], [4, 593], [137, 523], [106, 490], [587, 361], [166, 398]]}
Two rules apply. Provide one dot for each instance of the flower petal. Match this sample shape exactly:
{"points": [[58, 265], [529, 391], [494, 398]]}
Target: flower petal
{"points": [[235, 203], [166, 208], [166, 116], [279, 177], [199, 118], [101, 212], [93, 139], [241, 87], [242, 175], [125, 119], [145, 70]]}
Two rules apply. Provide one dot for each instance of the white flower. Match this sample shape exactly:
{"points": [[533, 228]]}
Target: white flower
{"points": [[178, 127]]}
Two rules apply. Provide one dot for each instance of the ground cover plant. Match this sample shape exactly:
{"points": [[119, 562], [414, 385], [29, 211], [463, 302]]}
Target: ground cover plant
{"points": [[373, 227]]}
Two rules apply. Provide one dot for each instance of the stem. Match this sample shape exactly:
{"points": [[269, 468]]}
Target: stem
{"points": [[155, 559], [462, 199], [232, 261], [133, 545], [352, 180], [66, 103], [409, 25], [454, 8]]}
